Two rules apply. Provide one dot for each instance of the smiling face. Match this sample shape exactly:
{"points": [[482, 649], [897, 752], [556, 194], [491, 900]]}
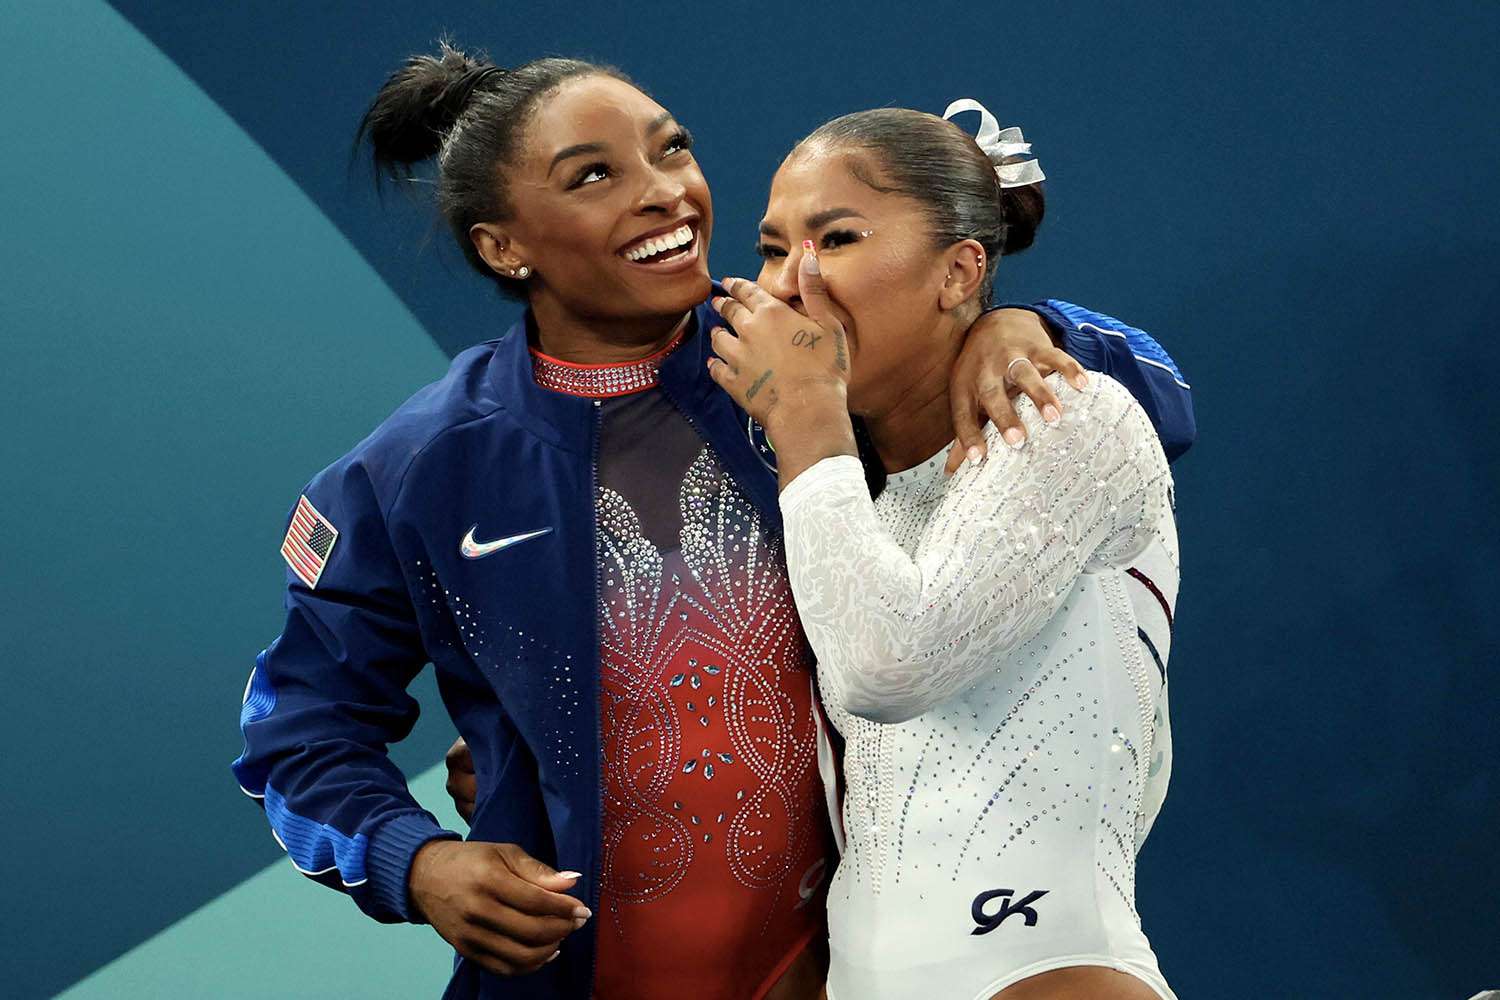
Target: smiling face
{"points": [[611, 213], [891, 285]]}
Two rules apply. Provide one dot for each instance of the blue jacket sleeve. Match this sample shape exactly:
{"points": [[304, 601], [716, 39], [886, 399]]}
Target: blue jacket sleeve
{"points": [[327, 697], [1133, 358]]}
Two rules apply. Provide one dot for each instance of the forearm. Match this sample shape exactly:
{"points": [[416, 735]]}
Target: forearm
{"points": [[854, 588], [900, 632]]}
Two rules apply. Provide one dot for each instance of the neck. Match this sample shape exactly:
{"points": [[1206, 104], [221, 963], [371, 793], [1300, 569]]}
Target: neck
{"points": [[918, 421], [586, 340]]}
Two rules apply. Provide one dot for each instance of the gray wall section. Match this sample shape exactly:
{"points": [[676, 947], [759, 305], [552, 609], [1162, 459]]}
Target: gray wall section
{"points": [[1298, 199]]}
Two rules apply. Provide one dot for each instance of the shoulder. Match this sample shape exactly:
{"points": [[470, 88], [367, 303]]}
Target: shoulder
{"points": [[1102, 430], [380, 461], [1101, 405]]}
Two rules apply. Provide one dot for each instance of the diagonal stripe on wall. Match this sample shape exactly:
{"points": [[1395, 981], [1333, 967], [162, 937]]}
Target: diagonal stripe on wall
{"points": [[187, 339], [277, 934]]}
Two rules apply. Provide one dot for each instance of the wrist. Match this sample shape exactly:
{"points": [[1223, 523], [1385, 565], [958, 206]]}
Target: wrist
{"points": [[808, 404], [809, 428], [427, 858], [1020, 316]]}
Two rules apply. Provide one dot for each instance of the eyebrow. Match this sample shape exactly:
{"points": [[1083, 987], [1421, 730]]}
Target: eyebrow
{"points": [[815, 221], [568, 152], [823, 218]]}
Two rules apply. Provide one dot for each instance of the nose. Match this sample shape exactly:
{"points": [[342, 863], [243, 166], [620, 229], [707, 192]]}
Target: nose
{"points": [[661, 193], [783, 282]]}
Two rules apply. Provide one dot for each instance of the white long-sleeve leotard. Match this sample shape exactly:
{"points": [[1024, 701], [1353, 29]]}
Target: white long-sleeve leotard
{"points": [[981, 654]]}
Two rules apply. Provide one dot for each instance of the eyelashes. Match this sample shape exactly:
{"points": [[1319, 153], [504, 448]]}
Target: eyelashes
{"points": [[583, 175], [832, 240], [680, 141]]}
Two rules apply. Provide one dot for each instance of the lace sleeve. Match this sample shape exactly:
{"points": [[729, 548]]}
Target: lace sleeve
{"points": [[897, 635]]}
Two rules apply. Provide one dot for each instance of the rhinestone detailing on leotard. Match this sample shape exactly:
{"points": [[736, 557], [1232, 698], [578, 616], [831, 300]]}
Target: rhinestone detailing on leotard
{"points": [[978, 652]]}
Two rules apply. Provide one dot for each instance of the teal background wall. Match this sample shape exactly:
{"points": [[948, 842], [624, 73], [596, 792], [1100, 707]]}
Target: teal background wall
{"points": [[202, 302]]}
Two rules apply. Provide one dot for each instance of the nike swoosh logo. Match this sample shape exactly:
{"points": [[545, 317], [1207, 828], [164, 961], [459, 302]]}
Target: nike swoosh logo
{"points": [[478, 550]]}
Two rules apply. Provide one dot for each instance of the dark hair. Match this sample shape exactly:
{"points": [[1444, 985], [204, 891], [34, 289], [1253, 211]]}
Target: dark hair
{"points": [[471, 115], [934, 161]]}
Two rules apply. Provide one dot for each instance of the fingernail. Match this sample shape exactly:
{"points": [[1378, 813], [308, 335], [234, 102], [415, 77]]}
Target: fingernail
{"points": [[582, 912], [975, 454], [1050, 414], [1081, 380], [578, 922], [1014, 437], [553, 955], [571, 874], [809, 258]]}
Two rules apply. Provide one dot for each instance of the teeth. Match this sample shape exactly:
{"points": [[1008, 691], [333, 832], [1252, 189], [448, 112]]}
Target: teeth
{"points": [[660, 244]]}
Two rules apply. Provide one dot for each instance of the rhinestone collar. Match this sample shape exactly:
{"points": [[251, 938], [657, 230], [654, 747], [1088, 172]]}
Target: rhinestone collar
{"points": [[600, 381]]}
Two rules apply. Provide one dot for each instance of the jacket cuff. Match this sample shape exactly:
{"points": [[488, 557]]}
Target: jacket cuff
{"points": [[1086, 348], [388, 862]]}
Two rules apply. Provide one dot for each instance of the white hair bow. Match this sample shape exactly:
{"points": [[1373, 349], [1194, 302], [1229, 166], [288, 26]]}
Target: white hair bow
{"points": [[1001, 145]]}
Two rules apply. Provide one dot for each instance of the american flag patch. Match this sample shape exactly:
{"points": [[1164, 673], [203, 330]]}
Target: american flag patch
{"points": [[308, 542]]}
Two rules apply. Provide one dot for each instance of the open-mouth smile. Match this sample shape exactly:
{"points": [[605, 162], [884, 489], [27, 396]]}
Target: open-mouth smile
{"points": [[667, 250]]}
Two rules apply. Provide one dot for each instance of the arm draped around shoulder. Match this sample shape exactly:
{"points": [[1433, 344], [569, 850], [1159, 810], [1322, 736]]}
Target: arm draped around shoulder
{"points": [[895, 635]]}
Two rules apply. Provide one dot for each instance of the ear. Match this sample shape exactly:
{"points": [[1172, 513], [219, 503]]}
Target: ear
{"points": [[495, 246], [965, 274]]}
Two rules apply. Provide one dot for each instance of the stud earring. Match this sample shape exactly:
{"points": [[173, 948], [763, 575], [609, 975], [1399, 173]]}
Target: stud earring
{"points": [[522, 272]]}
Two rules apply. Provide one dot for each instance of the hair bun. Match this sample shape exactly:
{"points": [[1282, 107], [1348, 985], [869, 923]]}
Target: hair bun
{"points": [[419, 104], [1021, 209]]}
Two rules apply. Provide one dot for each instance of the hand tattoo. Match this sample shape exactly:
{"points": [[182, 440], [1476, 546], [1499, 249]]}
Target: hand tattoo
{"points": [[759, 384], [806, 338], [840, 355]]}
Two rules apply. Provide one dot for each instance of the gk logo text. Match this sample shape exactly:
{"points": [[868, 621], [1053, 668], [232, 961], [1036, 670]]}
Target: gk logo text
{"points": [[1008, 908]]}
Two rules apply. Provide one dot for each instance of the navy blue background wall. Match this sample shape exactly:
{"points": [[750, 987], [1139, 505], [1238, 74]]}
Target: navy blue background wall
{"points": [[202, 305]]}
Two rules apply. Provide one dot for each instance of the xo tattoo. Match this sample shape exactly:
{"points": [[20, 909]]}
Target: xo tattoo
{"points": [[806, 338]]}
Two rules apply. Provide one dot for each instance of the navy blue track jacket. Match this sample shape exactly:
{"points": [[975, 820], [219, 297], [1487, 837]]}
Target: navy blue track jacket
{"points": [[484, 448]]}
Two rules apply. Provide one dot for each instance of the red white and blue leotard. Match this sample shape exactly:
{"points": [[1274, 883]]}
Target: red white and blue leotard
{"points": [[715, 838]]}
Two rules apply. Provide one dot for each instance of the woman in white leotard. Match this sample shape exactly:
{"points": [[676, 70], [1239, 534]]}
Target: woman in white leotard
{"points": [[981, 639]]}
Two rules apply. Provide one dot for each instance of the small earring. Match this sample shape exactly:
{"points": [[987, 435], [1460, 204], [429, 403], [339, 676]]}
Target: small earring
{"points": [[522, 272]]}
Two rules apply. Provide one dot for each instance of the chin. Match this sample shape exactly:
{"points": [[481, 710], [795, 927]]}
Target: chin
{"points": [[683, 293]]}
